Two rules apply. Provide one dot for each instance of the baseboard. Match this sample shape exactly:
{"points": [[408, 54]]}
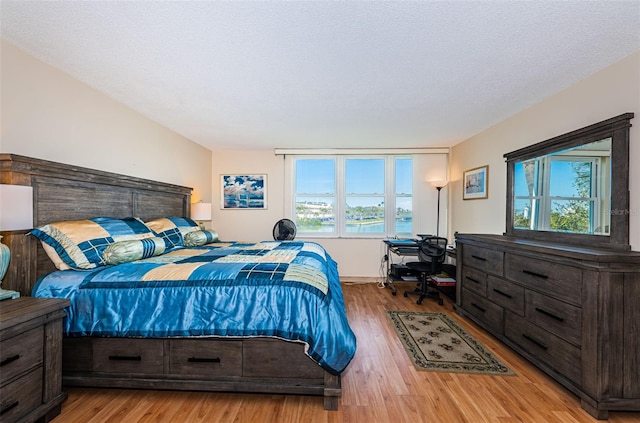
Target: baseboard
{"points": [[359, 279]]}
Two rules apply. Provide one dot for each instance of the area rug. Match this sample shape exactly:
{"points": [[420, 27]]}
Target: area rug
{"points": [[435, 342]]}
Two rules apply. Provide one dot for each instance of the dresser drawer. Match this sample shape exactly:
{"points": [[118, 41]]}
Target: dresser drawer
{"points": [[206, 357], [490, 261], [21, 396], [490, 314], [557, 317], [558, 280], [506, 294], [124, 355], [544, 346], [474, 280], [20, 353]]}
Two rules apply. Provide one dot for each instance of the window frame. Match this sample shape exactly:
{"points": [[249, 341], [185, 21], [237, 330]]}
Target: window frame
{"points": [[340, 196]]}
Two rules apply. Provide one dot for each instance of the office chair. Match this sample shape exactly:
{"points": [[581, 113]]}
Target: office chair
{"points": [[431, 253]]}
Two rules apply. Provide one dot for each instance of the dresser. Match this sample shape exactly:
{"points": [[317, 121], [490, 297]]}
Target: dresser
{"points": [[31, 359], [573, 312]]}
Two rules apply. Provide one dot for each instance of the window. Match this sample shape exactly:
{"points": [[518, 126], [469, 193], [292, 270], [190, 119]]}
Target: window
{"points": [[353, 196]]}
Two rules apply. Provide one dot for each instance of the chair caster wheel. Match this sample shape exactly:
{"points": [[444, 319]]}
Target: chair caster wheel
{"points": [[406, 295], [393, 292], [440, 301], [419, 302]]}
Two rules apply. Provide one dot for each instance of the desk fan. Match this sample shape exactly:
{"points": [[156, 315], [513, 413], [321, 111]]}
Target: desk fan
{"points": [[284, 230]]}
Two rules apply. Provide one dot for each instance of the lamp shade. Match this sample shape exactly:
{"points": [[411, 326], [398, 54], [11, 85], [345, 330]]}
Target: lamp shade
{"points": [[201, 211], [16, 207], [439, 184]]}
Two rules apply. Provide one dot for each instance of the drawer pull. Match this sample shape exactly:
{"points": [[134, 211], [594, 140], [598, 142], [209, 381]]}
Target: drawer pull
{"points": [[478, 307], [203, 360], [125, 357], [9, 360], [479, 258], [504, 294], [538, 343], [472, 280], [537, 275], [547, 313], [7, 407]]}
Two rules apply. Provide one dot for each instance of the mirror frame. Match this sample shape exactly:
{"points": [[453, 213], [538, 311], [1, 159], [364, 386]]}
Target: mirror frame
{"points": [[616, 128]]}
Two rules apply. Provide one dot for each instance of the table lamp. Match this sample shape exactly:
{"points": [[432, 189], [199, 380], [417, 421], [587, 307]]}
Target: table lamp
{"points": [[201, 212], [16, 213]]}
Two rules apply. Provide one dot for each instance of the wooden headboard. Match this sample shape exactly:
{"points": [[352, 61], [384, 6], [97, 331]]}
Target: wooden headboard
{"points": [[66, 192]]}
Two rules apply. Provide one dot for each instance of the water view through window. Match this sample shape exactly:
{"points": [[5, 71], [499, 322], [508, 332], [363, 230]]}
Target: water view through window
{"points": [[363, 199]]}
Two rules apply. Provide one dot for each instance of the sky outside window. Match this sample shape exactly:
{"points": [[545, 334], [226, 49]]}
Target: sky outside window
{"points": [[315, 176]]}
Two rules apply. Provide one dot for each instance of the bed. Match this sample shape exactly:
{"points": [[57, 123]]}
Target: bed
{"points": [[264, 317]]}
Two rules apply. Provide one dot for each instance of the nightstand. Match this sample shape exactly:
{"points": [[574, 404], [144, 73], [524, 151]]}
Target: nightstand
{"points": [[31, 359]]}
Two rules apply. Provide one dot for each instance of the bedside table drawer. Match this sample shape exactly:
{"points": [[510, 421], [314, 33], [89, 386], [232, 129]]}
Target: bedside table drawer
{"points": [[19, 354], [21, 396]]}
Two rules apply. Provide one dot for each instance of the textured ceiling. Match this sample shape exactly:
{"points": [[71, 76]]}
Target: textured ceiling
{"points": [[260, 75]]}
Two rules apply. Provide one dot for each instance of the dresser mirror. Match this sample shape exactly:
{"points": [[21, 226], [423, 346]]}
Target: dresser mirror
{"points": [[573, 188]]}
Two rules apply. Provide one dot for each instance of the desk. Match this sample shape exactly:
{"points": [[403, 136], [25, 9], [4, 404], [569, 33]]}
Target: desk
{"points": [[409, 247], [399, 247]]}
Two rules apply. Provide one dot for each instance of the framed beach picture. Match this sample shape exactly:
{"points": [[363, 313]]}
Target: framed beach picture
{"points": [[243, 192], [475, 183]]}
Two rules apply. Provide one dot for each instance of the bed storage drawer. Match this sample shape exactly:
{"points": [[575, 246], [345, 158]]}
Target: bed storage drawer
{"points": [[544, 346], [484, 310], [558, 280], [20, 353], [485, 259], [205, 357], [125, 355], [263, 358]]}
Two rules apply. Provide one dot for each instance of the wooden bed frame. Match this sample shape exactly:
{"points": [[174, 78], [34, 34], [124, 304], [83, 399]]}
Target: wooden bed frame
{"points": [[258, 365]]}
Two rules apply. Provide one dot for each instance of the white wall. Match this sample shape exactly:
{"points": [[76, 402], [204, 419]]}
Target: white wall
{"points": [[608, 93], [49, 115], [356, 257]]}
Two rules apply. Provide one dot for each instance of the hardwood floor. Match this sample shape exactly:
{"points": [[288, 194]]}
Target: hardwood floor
{"points": [[380, 385]]}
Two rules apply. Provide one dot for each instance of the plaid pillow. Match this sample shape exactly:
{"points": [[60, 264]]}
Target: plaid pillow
{"points": [[172, 229], [79, 244]]}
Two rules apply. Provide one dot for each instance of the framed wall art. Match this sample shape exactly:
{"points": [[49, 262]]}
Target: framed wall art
{"points": [[243, 192], [475, 183]]}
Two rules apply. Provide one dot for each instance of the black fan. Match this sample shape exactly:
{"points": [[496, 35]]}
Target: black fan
{"points": [[284, 230]]}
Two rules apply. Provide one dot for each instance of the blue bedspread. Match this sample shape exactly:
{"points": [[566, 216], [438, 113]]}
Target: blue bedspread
{"points": [[288, 290]]}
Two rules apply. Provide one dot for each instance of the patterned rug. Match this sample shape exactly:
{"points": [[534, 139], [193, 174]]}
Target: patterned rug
{"points": [[435, 342]]}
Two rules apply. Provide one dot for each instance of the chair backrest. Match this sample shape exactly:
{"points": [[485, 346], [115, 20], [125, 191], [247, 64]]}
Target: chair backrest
{"points": [[432, 250]]}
